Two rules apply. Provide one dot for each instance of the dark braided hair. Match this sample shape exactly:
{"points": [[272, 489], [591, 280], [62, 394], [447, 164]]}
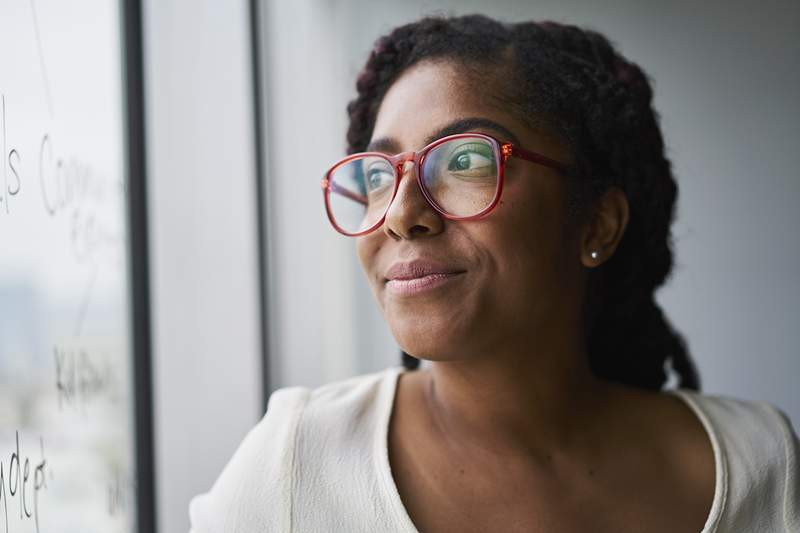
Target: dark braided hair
{"points": [[575, 83]]}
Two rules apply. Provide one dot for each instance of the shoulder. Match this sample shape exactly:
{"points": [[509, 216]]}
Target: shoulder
{"points": [[258, 471], [346, 401], [254, 489], [755, 431], [757, 452]]}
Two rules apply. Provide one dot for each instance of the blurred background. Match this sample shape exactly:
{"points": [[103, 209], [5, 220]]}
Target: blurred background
{"points": [[253, 291]]}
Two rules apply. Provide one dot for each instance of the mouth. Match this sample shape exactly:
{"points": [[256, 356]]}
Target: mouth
{"points": [[416, 277], [408, 287]]}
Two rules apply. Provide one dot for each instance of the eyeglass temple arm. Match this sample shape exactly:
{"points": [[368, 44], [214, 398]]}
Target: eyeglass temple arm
{"points": [[334, 187], [510, 150]]}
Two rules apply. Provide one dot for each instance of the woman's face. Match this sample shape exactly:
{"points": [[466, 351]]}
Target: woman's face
{"points": [[515, 276]]}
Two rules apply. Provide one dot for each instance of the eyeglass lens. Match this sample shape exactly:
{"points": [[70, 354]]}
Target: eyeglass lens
{"points": [[460, 176]]}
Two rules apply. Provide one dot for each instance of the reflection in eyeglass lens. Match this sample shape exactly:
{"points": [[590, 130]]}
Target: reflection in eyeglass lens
{"points": [[360, 192], [461, 175]]}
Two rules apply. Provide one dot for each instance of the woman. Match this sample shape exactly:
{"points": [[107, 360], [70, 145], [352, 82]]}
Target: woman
{"points": [[511, 201]]}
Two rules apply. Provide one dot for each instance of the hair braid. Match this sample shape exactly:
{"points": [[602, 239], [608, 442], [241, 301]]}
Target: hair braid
{"points": [[601, 103], [636, 162]]}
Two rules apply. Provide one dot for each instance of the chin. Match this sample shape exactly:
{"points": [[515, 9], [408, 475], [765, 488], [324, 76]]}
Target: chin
{"points": [[432, 340], [439, 326]]}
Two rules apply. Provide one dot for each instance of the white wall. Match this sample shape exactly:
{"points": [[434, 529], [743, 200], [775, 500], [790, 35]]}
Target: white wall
{"points": [[726, 77], [315, 287], [202, 200]]}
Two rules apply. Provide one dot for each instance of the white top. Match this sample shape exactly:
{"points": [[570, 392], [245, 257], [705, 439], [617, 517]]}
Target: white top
{"points": [[318, 461]]}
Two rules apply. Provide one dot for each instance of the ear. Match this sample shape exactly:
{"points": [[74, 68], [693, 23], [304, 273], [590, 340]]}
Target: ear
{"points": [[604, 228]]}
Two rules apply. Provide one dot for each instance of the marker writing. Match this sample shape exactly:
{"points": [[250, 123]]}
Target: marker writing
{"points": [[19, 474]]}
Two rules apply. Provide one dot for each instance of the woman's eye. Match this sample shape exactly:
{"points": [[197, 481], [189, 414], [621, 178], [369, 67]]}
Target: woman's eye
{"points": [[471, 161], [378, 178]]}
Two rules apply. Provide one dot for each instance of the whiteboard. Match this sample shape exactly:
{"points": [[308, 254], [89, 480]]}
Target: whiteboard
{"points": [[67, 420]]}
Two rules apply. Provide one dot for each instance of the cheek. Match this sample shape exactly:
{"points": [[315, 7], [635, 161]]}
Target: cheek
{"points": [[366, 254], [525, 242], [367, 249], [516, 236], [533, 215]]}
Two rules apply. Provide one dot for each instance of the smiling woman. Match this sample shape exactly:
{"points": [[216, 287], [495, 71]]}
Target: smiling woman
{"points": [[511, 203]]}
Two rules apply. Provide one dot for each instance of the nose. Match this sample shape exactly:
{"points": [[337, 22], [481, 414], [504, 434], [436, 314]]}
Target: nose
{"points": [[410, 215]]}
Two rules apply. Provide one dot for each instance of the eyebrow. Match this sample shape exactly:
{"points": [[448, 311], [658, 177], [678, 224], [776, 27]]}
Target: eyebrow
{"points": [[390, 145]]}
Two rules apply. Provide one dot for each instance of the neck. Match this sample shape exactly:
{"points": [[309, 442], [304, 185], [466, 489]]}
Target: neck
{"points": [[516, 401]]}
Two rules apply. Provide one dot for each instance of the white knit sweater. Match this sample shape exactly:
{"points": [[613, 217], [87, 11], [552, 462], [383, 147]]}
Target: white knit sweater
{"points": [[318, 462]]}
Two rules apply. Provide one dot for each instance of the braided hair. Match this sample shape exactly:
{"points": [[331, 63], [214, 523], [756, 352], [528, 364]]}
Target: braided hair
{"points": [[574, 82]]}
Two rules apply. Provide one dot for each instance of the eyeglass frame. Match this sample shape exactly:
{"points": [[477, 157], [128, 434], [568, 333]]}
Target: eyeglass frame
{"points": [[501, 150]]}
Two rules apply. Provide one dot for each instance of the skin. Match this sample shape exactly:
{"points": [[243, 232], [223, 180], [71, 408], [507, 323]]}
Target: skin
{"points": [[508, 430]]}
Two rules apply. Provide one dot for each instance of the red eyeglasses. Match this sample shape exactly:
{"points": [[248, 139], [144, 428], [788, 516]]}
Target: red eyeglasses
{"points": [[460, 176]]}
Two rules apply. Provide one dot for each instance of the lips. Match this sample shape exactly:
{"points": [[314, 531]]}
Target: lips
{"points": [[420, 269], [409, 287]]}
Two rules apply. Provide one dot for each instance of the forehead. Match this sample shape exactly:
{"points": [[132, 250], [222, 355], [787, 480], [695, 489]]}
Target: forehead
{"points": [[430, 95]]}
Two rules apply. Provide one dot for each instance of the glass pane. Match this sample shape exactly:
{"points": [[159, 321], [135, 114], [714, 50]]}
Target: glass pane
{"points": [[67, 388]]}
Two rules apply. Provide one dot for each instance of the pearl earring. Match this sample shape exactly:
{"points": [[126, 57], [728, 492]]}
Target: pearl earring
{"points": [[594, 254]]}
